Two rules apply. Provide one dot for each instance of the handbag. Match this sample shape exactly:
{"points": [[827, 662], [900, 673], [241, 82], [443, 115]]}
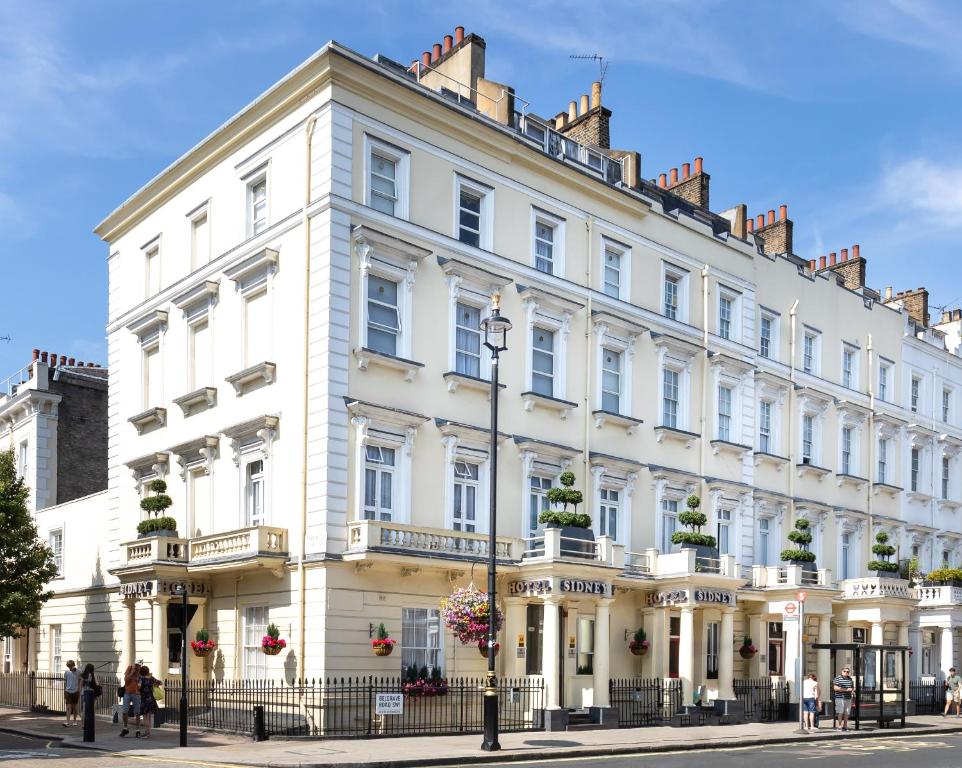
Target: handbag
{"points": [[120, 691], [159, 692]]}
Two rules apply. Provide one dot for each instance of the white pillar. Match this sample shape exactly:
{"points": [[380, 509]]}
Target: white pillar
{"points": [[129, 649], [686, 653], [158, 637], [823, 657], [792, 660], [915, 660], [904, 673], [657, 629], [946, 651], [550, 640], [726, 655], [600, 661], [877, 637], [515, 629], [758, 666]]}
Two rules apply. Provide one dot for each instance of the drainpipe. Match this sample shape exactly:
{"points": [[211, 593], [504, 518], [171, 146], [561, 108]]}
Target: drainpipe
{"points": [[305, 225], [793, 314], [703, 421], [867, 547], [590, 232]]}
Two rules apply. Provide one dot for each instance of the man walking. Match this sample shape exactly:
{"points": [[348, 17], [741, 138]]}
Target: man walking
{"points": [[953, 692], [131, 700], [842, 686], [71, 692]]}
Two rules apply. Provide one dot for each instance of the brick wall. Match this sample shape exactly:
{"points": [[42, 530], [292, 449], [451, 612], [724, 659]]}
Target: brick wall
{"points": [[591, 128], [916, 303], [694, 189], [852, 272], [776, 237], [81, 435]]}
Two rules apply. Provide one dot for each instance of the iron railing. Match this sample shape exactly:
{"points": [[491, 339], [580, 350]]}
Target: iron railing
{"points": [[44, 693], [643, 701], [928, 695], [346, 707], [765, 701]]}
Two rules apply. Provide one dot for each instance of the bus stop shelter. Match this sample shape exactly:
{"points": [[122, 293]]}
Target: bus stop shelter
{"points": [[880, 673]]}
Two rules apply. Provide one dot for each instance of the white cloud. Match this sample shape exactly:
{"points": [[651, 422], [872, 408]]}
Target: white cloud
{"points": [[928, 25], [923, 192]]}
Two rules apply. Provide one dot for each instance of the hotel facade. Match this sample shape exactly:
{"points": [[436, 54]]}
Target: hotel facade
{"points": [[294, 347]]}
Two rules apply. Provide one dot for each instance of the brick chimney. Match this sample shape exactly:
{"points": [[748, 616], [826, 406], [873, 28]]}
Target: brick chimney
{"points": [[689, 186], [589, 125], [775, 234], [915, 302], [850, 267]]}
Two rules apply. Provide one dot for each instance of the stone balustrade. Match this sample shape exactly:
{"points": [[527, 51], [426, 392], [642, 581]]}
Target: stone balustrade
{"points": [[155, 549], [937, 595], [254, 541], [789, 575], [874, 587], [687, 562], [365, 535]]}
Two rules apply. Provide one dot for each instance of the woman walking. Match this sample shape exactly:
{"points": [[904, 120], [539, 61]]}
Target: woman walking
{"points": [[810, 697], [148, 700]]}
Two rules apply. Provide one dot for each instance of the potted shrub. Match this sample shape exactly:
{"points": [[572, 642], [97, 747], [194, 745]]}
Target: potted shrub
{"points": [[483, 648], [638, 645], [883, 567], [272, 643], [202, 645], [156, 523], [801, 555], [577, 538], [383, 645], [693, 519], [748, 650], [465, 613], [948, 576]]}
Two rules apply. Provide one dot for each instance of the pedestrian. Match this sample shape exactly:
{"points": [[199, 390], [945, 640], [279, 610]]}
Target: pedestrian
{"points": [[810, 697], [953, 693], [88, 681], [148, 699], [71, 693], [131, 699], [842, 687]]}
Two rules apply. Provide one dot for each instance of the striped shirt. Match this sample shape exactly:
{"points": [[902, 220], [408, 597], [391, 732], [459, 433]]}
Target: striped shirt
{"points": [[846, 683]]}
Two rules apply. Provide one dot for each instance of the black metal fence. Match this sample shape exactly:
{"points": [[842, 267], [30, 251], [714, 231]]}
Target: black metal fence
{"points": [[928, 695], [345, 707], [44, 693], [765, 701], [644, 701]]}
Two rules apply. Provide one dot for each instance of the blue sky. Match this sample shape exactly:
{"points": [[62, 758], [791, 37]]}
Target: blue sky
{"points": [[848, 111]]}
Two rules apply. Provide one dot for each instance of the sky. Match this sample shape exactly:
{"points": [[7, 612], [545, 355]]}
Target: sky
{"points": [[845, 110]]}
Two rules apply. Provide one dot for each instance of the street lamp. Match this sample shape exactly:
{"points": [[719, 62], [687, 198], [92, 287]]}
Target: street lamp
{"points": [[181, 589], [496, 330]]}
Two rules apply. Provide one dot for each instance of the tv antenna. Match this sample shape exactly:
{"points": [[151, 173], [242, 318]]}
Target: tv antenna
{"points": [[602, 62], [6, 339]]}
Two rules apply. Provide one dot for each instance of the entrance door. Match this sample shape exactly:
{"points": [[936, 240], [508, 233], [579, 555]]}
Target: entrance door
{"points": [[674, 643], [533, 636]]}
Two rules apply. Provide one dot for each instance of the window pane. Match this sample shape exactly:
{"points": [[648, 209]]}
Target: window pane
{"points": [[468, 340]]}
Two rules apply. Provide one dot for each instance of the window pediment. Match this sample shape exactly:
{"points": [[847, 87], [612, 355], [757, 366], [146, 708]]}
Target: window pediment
{"points": [[543, 448], [384, 415], [199, 450], [373, 246], [681, 349], [546, 304], [258, 434], [483, 281], [197, 297], [149, 324], [467, 433], [254, 269]]}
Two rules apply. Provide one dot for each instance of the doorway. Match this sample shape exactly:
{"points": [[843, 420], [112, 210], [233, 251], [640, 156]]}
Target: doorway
{"points": [[534, 633], [674, 644]]}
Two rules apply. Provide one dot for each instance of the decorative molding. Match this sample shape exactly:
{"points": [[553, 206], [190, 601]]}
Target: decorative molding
{"points": [[261, 372]]}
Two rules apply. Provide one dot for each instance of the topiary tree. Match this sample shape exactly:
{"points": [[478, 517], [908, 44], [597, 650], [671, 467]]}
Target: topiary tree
{"points": [[156, 505], [693, 519], [564, 496], [884, 550], [802, 536]]}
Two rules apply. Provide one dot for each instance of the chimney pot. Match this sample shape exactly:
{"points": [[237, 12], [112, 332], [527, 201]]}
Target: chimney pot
{"points": [[572, 110], [36, 355], [458, 35], [43, 357], [595, 94], [821, 262], [698, 164], [946, 316], [63, 359], [448, 42], [685, 170], [831, 258], [782, 212], [760, 221], [662, 180], [92, 365], [844, 254], [771, 217], [855, 251], [888, 292], [674, 176], [436, 52], [559, 120], [53, 359], [584, 104], [71, 361], [811, 264], [750, 224], [426, 59]]}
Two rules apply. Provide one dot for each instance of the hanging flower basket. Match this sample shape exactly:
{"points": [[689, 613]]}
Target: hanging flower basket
{"points": [[383, 645], [639, 648], [748, 650], [465, 613], [483, 648], [272, 643], [202, 645]]}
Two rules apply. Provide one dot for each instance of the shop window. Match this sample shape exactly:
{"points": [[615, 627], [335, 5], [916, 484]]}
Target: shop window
{"points": [[776, 648], [420, 638], [711, 650], [586, 646]]}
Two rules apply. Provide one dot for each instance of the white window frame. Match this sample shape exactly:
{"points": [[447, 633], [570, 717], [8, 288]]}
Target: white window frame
{"points": [[882, 462], [557, 226], [681, 277], [670, 505], [251, 181], [194, 217], [470, 449], [814, 457], [546, 463], [624, 268], [57, 547], [725, 420], [614, 371], [149, 344], [381, 469], [252, 441], [768, 405], [946, 406], [915, 469], [946, 477], [845, 552], [402, 170], [850, 377], [250, 490], [395, 268], [854, 458], [681, 366], [194, 322], [56, 648], [773, 318], [609, 477], [486, 193], [712, 643], [541, 493], [152, 255], [733, 298], [380, 328], [23, 460], [621, 341], [411, 617], [885, 380], [816, 363], [464, 480], [483, 309], [763, 540], [557, 321], [372, 428], [254, 661], [916, 400], [726, 517]]}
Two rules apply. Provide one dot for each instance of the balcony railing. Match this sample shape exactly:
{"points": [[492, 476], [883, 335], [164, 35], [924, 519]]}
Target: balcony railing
{"points": [[155, 549], [943, 595], [365, 535], [246, 543], [774, 576], [551, 546], [557, 145], [873, 586]]}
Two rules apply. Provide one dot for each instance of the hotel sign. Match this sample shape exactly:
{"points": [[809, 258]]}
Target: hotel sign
{"points": [[698, 596], [558, 586]]}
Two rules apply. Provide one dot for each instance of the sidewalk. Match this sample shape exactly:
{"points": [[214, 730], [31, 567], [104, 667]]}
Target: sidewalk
{"points": [[409, 752]]}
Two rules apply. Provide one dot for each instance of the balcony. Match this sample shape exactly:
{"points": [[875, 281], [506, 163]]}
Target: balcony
{"points": [[550, 546], [937, 596], [873, 587], [155, 550], [398, 538], [254, 547], [787, 576]]}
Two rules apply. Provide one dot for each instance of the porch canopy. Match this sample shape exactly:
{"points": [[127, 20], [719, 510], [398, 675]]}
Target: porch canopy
{"points": [[882, 698]]}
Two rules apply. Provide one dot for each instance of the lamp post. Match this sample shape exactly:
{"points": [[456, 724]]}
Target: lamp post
{"points": [[496, 330], [181, 589]]}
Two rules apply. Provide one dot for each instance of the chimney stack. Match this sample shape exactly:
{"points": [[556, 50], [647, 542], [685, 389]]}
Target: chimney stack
{"points": [[685, 170], [782, 212], [811, 265], [426, 59], [831, 259], [771, 217], [845, 254], [662, 180], [674, 176], [692, 187], [776, 235], [851, 268], [855, 251], [590, 124], [760, 221]]}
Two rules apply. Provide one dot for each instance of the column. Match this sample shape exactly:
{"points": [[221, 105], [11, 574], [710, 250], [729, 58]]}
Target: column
{"points": [[686, 653], [758, 666], [656, 626], [915, 660], [726, 655], [549, 652], [792, 661], [158, 638], [515, 628], [904, 673], [946, 651], [823, 657], [843, 634], [877, 637], [602, 653], [129, 648]]}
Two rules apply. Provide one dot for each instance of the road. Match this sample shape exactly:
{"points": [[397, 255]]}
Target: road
{"points": [[935, 751]]}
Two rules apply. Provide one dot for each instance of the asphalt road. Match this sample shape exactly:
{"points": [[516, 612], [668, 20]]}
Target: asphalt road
{"points": [[935, 751]]}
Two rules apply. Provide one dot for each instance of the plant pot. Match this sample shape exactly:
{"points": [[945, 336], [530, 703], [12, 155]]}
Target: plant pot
{"points": [[637, 650], [383, 650], [746, 654], [483, 650], [149, 534], [888, 574], [271, 651], [807, 566], [701, 550], [202, 653], [577, 542]]}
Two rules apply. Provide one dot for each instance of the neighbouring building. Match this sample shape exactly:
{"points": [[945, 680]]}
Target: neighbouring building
{"points": [[294, 347]]}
